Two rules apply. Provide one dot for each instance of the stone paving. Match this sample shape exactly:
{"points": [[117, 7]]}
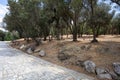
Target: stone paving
{"points": [[16, 65]]}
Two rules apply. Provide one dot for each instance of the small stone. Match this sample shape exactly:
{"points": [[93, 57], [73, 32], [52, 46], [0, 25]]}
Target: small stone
{"points": [[22, 46], [37, 50], [89, 66], [42, 53], [29, 51]]}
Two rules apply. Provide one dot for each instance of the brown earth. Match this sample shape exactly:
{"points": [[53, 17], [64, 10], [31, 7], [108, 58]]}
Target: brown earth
{"points": [[103, 54]]}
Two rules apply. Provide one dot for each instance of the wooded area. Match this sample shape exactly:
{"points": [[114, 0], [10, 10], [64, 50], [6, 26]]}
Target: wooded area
{"points": [[63, 32], [38, 19]]}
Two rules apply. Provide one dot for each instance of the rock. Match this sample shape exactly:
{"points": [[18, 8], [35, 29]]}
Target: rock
{"points": [[114, 76], [42, 53], [89, 66], [101, 71], [104, 76], [116, 67], [29, 50], [62, 56], [37, 50], [22, 46]]}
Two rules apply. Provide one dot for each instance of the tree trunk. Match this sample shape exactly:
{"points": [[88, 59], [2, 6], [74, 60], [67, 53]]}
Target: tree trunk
{"points": [[2, 38], [37, 41], [58, 34], [74, 37], [119, 30], [98, 29], [45, 38], [75, 30], [94, 35], [74, 33], [57, 29]]}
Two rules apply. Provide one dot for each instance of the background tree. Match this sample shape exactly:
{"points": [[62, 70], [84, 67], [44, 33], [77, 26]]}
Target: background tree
{"points": [[2, 35], [40, 19]]}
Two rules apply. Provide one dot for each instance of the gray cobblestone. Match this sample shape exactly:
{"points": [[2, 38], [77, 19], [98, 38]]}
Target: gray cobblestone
{"points": [[16, 65]]}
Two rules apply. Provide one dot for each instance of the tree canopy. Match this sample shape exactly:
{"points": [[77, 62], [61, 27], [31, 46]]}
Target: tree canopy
{"points": [[39, 19]]}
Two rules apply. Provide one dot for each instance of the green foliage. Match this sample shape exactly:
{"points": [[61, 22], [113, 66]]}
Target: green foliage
{"points": [[8, 36], [42, 18]]}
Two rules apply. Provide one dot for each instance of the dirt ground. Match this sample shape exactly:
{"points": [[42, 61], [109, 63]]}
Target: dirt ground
{"points": [[103, 54]]}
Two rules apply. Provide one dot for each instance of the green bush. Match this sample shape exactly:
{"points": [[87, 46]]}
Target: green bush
{"points": [[8, 36]]}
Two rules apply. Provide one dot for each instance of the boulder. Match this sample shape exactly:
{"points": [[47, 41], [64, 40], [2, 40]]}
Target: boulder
{"points": [[116, 67], [89, 66], [42, 53], [105, 76]]}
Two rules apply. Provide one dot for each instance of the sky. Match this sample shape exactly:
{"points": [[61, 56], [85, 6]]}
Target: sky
{"points": [[114, 6], [3, 9]]}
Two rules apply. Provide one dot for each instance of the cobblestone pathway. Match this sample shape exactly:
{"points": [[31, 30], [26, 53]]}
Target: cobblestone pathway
{"points": [[15, 65]]}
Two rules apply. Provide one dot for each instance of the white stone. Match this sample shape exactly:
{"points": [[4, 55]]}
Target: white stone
{"points": [[22, 47], [29, 51], [42, 53]]}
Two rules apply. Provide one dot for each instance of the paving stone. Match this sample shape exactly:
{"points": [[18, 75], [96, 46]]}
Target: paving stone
{"points": [[16, 65]]}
